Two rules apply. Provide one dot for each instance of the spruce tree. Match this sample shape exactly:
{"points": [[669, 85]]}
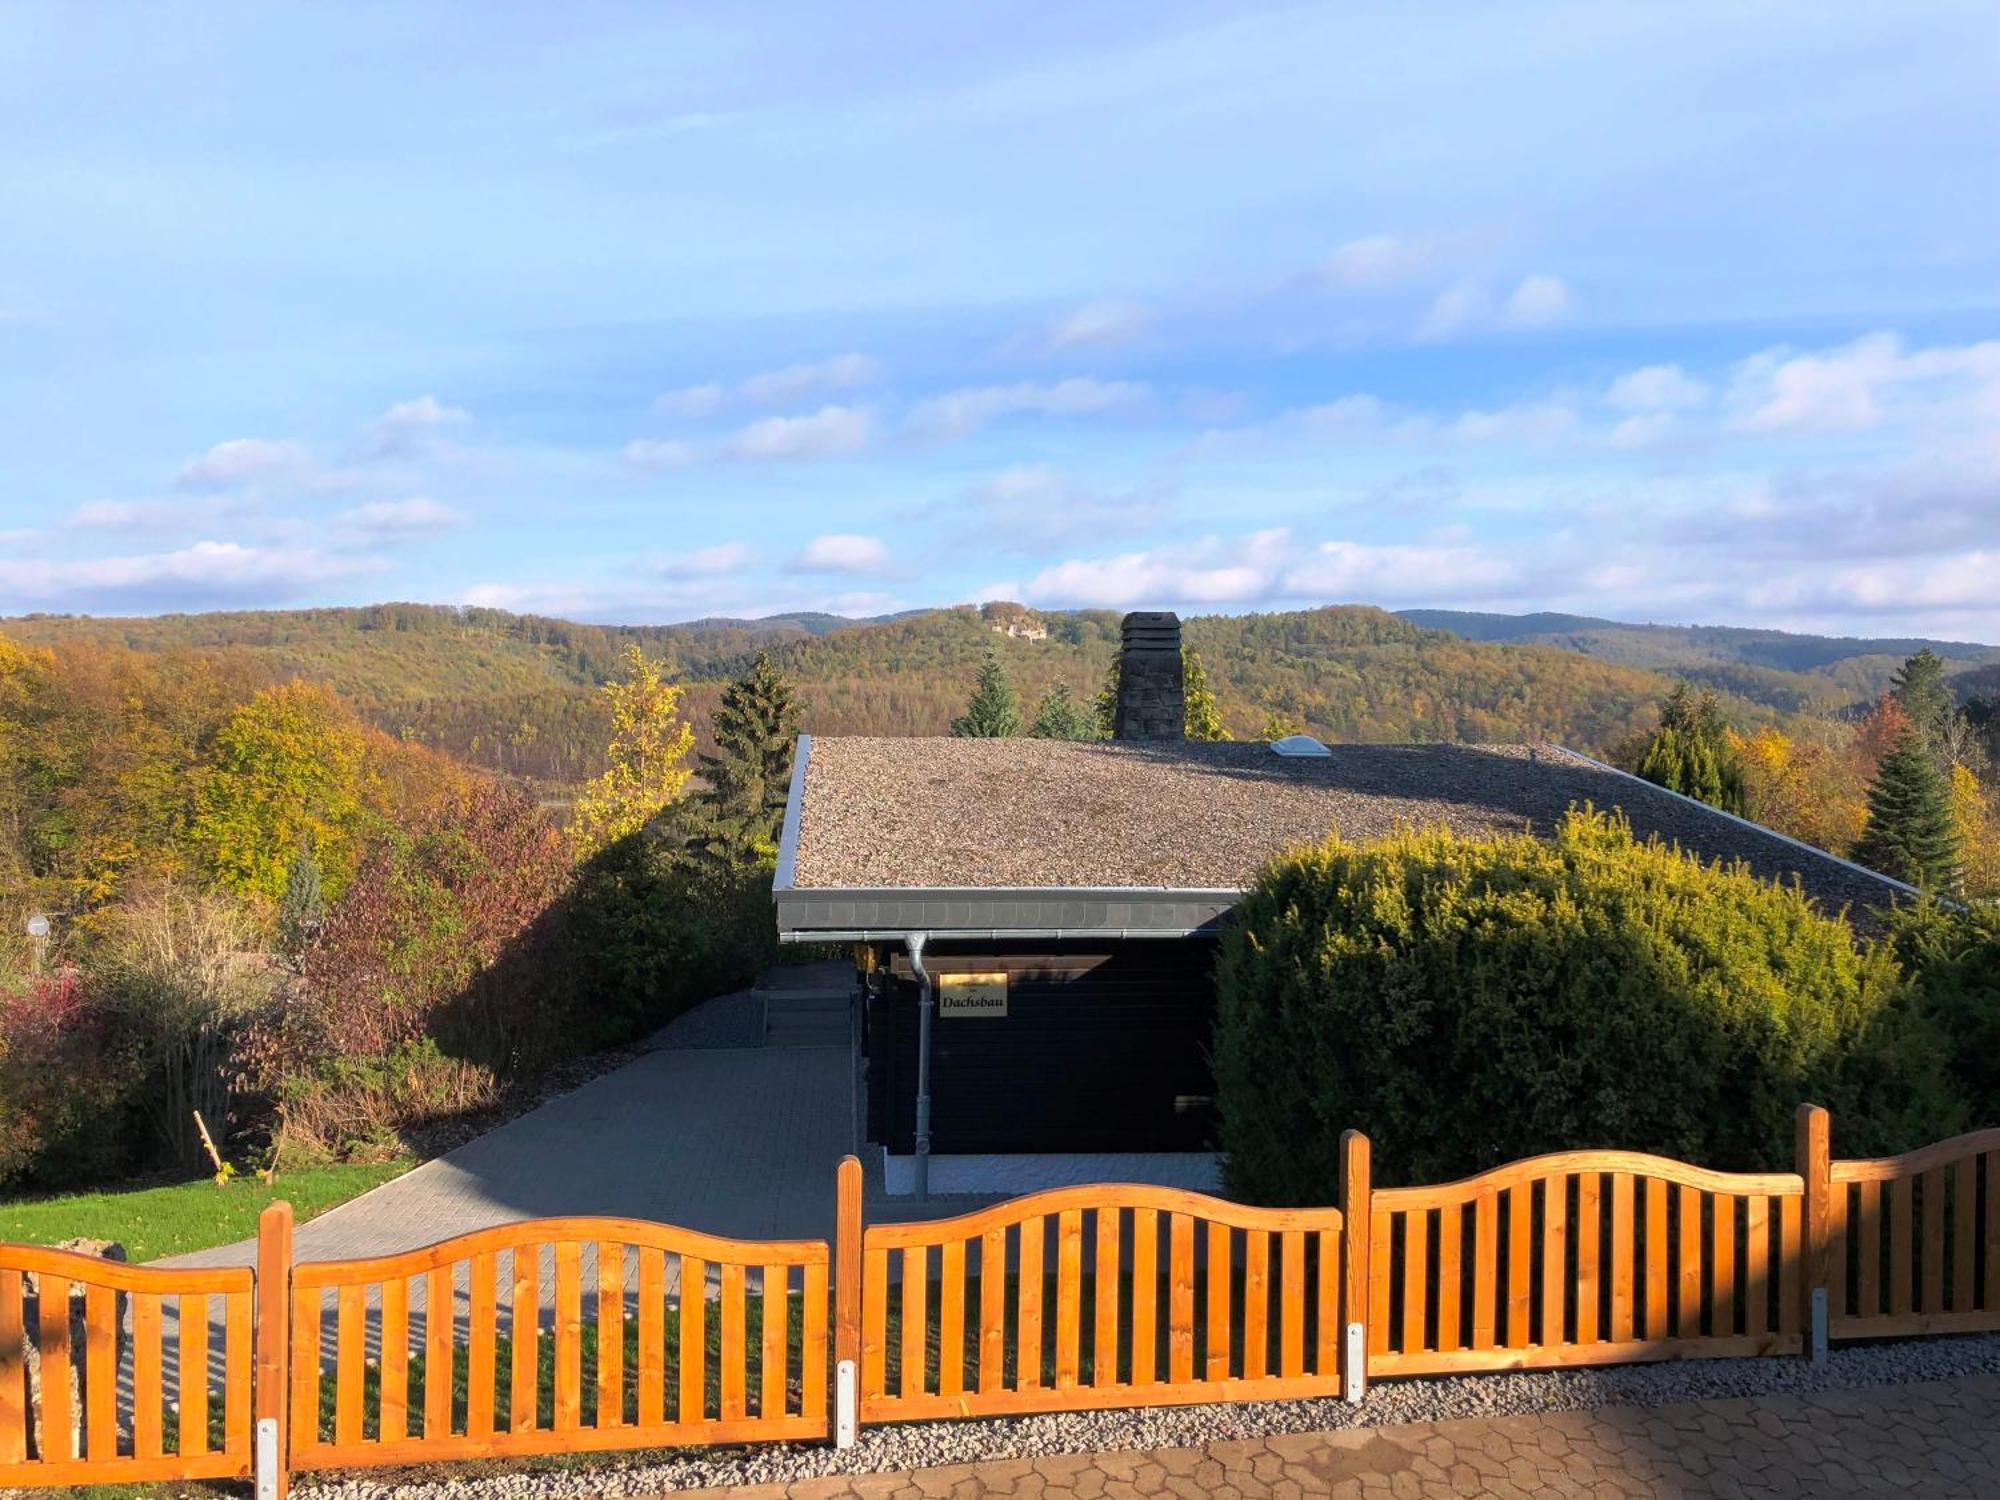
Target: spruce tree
{"points": [[756, 726], [1919, 686], [994, 713], [1202, 719], [1690, 753], [1060, 717], [1910, 832], [302, 908], [1106, 705]]}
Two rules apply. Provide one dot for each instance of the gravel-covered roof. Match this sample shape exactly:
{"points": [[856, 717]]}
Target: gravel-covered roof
{"points": [[1023, 814]]}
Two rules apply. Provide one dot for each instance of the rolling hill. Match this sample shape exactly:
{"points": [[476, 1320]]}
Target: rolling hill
{"points": [[518, 693]]}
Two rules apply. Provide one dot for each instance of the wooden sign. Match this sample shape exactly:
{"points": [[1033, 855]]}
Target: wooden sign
{"points": [[972, 996]]}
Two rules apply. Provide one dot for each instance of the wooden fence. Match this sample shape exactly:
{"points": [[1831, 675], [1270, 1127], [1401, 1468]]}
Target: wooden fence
{"points": [[647, 1337], [574, 1335], [1100, 1296], [112, 1373]]}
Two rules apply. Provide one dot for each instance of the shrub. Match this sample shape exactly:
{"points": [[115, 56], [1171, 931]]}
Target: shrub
{"points": [[434, 978], [65, 1086], [1467, 1001], [1955, 956]]}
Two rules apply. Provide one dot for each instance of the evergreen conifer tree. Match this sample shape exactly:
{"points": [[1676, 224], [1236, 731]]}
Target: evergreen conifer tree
{"points": [[756, 726], [302, 908], [1060, 717], [1910, 833], [994, 712], [1690, 754], [1919, 686]]}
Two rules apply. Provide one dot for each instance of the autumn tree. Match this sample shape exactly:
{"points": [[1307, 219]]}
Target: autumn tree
{"points": [[1910, 833], [285, 770], [1690, 753], [1202, 716], [756, 727], [994, 712], [649, 746]]}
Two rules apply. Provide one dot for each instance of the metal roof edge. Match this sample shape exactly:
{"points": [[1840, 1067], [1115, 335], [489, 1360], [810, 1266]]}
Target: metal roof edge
{"points": [[795, 806], [1783, 838]]}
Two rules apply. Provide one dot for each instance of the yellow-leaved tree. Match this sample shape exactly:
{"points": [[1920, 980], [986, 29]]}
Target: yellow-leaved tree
{"points": [[1978, 833], [650, 742], [285, 774]]}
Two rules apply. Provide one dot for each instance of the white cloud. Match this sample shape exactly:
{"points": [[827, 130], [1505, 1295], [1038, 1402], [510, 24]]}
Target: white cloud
{"points": [[959, 413], [707, 562], [694, 402], [408, 424], [1530, 422], [208, 574], [843, 372], [1037, 509], [1379, 260], [1859, 386], [646, 453], [1656, 388], [153, 515], [402, 520], [1537, 302], [800, 382], [1455, 309], [1102, 324], [243, 461], [831, 432], [840, 554]]}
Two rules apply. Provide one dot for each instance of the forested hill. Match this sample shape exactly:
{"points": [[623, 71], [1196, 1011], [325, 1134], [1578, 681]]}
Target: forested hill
{"points": [[1793, 673], [518, 692]]}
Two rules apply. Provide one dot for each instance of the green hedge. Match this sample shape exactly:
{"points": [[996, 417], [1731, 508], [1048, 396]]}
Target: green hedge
{"points": [[1470, 1001]]}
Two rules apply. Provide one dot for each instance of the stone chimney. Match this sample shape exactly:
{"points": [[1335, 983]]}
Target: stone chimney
{"points": [[1152, 695]]}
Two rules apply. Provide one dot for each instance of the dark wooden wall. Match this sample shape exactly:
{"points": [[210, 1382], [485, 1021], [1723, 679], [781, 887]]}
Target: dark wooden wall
{"points": [[1104, 1048]]}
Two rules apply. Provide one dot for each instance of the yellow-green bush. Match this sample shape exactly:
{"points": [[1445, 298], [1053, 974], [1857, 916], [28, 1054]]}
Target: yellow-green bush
{"points": [[1467, 1001]]}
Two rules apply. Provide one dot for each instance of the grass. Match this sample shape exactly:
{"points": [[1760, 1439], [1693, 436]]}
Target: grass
{"points": [[157, 1221]]}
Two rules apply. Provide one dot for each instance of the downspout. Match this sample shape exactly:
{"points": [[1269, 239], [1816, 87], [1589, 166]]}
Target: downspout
{"points": [[915, 943]]}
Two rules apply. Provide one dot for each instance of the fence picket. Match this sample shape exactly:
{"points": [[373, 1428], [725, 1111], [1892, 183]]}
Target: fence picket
{"points": [[693, 1350], [1069, 1297], [1291, 1304], [1256, 1302], [191, 1385], [1028, 1344], [951, 1319], [395, 1417], [992, 1311], [1215, 1364], [1722, 1266], [526, 1329], [1485, 1269], [1555, 1259], [652, 1313], [1589, 1233], [1520, 1226], [916, 1321], [1104, 1319], [1756, 1265], [1623, 1266], [734, 1354], [776, 1291], [437, 1352], [100, 1357], [481, 1338], [13, 1369], [1145, 1295], [610, 1407], [1964, 1223], [1901, 1243], [1180, 1311]]}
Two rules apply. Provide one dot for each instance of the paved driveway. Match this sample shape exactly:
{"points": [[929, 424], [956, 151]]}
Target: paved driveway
{"points": [[703, 1132]]}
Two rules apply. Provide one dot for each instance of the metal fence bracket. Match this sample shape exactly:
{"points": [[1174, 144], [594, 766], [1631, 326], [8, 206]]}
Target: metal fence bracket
{"points": [[267, 1458], [1354, 1367], [844, 1404], [1819, 1325]]}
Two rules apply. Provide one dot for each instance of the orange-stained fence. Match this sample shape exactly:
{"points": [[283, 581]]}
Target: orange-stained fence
{"points": [[1101, 1296], [1915, 1240], [1584, 1258], [112, 1373], [574, 1335], [557, 1335]]}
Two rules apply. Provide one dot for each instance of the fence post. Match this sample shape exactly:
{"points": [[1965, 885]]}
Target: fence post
{"points": [[847, 1302], [273, 1341], [1356, 1232], [1815, 1162]]}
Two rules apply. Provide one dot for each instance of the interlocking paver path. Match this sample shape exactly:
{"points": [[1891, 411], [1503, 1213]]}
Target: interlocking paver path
{"points": [[1939, 1439]]}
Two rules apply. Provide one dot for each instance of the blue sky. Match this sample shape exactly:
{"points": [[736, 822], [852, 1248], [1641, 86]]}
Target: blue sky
{"points": [[1682, 312]]}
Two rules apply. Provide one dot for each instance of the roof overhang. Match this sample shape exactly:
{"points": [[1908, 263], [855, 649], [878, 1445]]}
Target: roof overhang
{"points": [[854, 914]]}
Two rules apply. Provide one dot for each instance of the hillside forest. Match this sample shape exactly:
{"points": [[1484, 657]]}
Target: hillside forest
{"points": [[333, 877]]}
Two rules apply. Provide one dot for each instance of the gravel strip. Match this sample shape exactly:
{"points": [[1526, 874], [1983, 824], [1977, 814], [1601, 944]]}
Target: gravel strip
{"points": [[1389, 1403]]}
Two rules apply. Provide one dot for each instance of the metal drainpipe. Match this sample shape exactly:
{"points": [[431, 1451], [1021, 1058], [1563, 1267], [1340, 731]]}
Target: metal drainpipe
{"points": [[915, 943]]}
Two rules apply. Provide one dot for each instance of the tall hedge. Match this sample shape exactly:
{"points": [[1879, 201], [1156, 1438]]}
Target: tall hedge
{"points": [[1467, 1001]]}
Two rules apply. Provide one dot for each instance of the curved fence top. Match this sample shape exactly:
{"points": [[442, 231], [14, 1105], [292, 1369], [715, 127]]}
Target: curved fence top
{"points": [[121, 1275], [533, 1233], [1102, 1196], [1913, 1163], [1563, 1163]]}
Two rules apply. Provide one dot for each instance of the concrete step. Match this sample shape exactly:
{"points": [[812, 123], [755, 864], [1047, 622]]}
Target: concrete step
{"points": [[806, 1016]]}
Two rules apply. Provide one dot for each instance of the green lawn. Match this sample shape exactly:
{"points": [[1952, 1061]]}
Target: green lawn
{"points": [[152, 1222]]}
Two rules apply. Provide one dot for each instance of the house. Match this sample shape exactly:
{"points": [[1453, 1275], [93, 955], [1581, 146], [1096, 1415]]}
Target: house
{"points": [[1034, 919]]}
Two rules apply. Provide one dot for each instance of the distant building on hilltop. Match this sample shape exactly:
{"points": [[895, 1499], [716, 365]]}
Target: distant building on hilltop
{"points": [[1004, 617]]}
